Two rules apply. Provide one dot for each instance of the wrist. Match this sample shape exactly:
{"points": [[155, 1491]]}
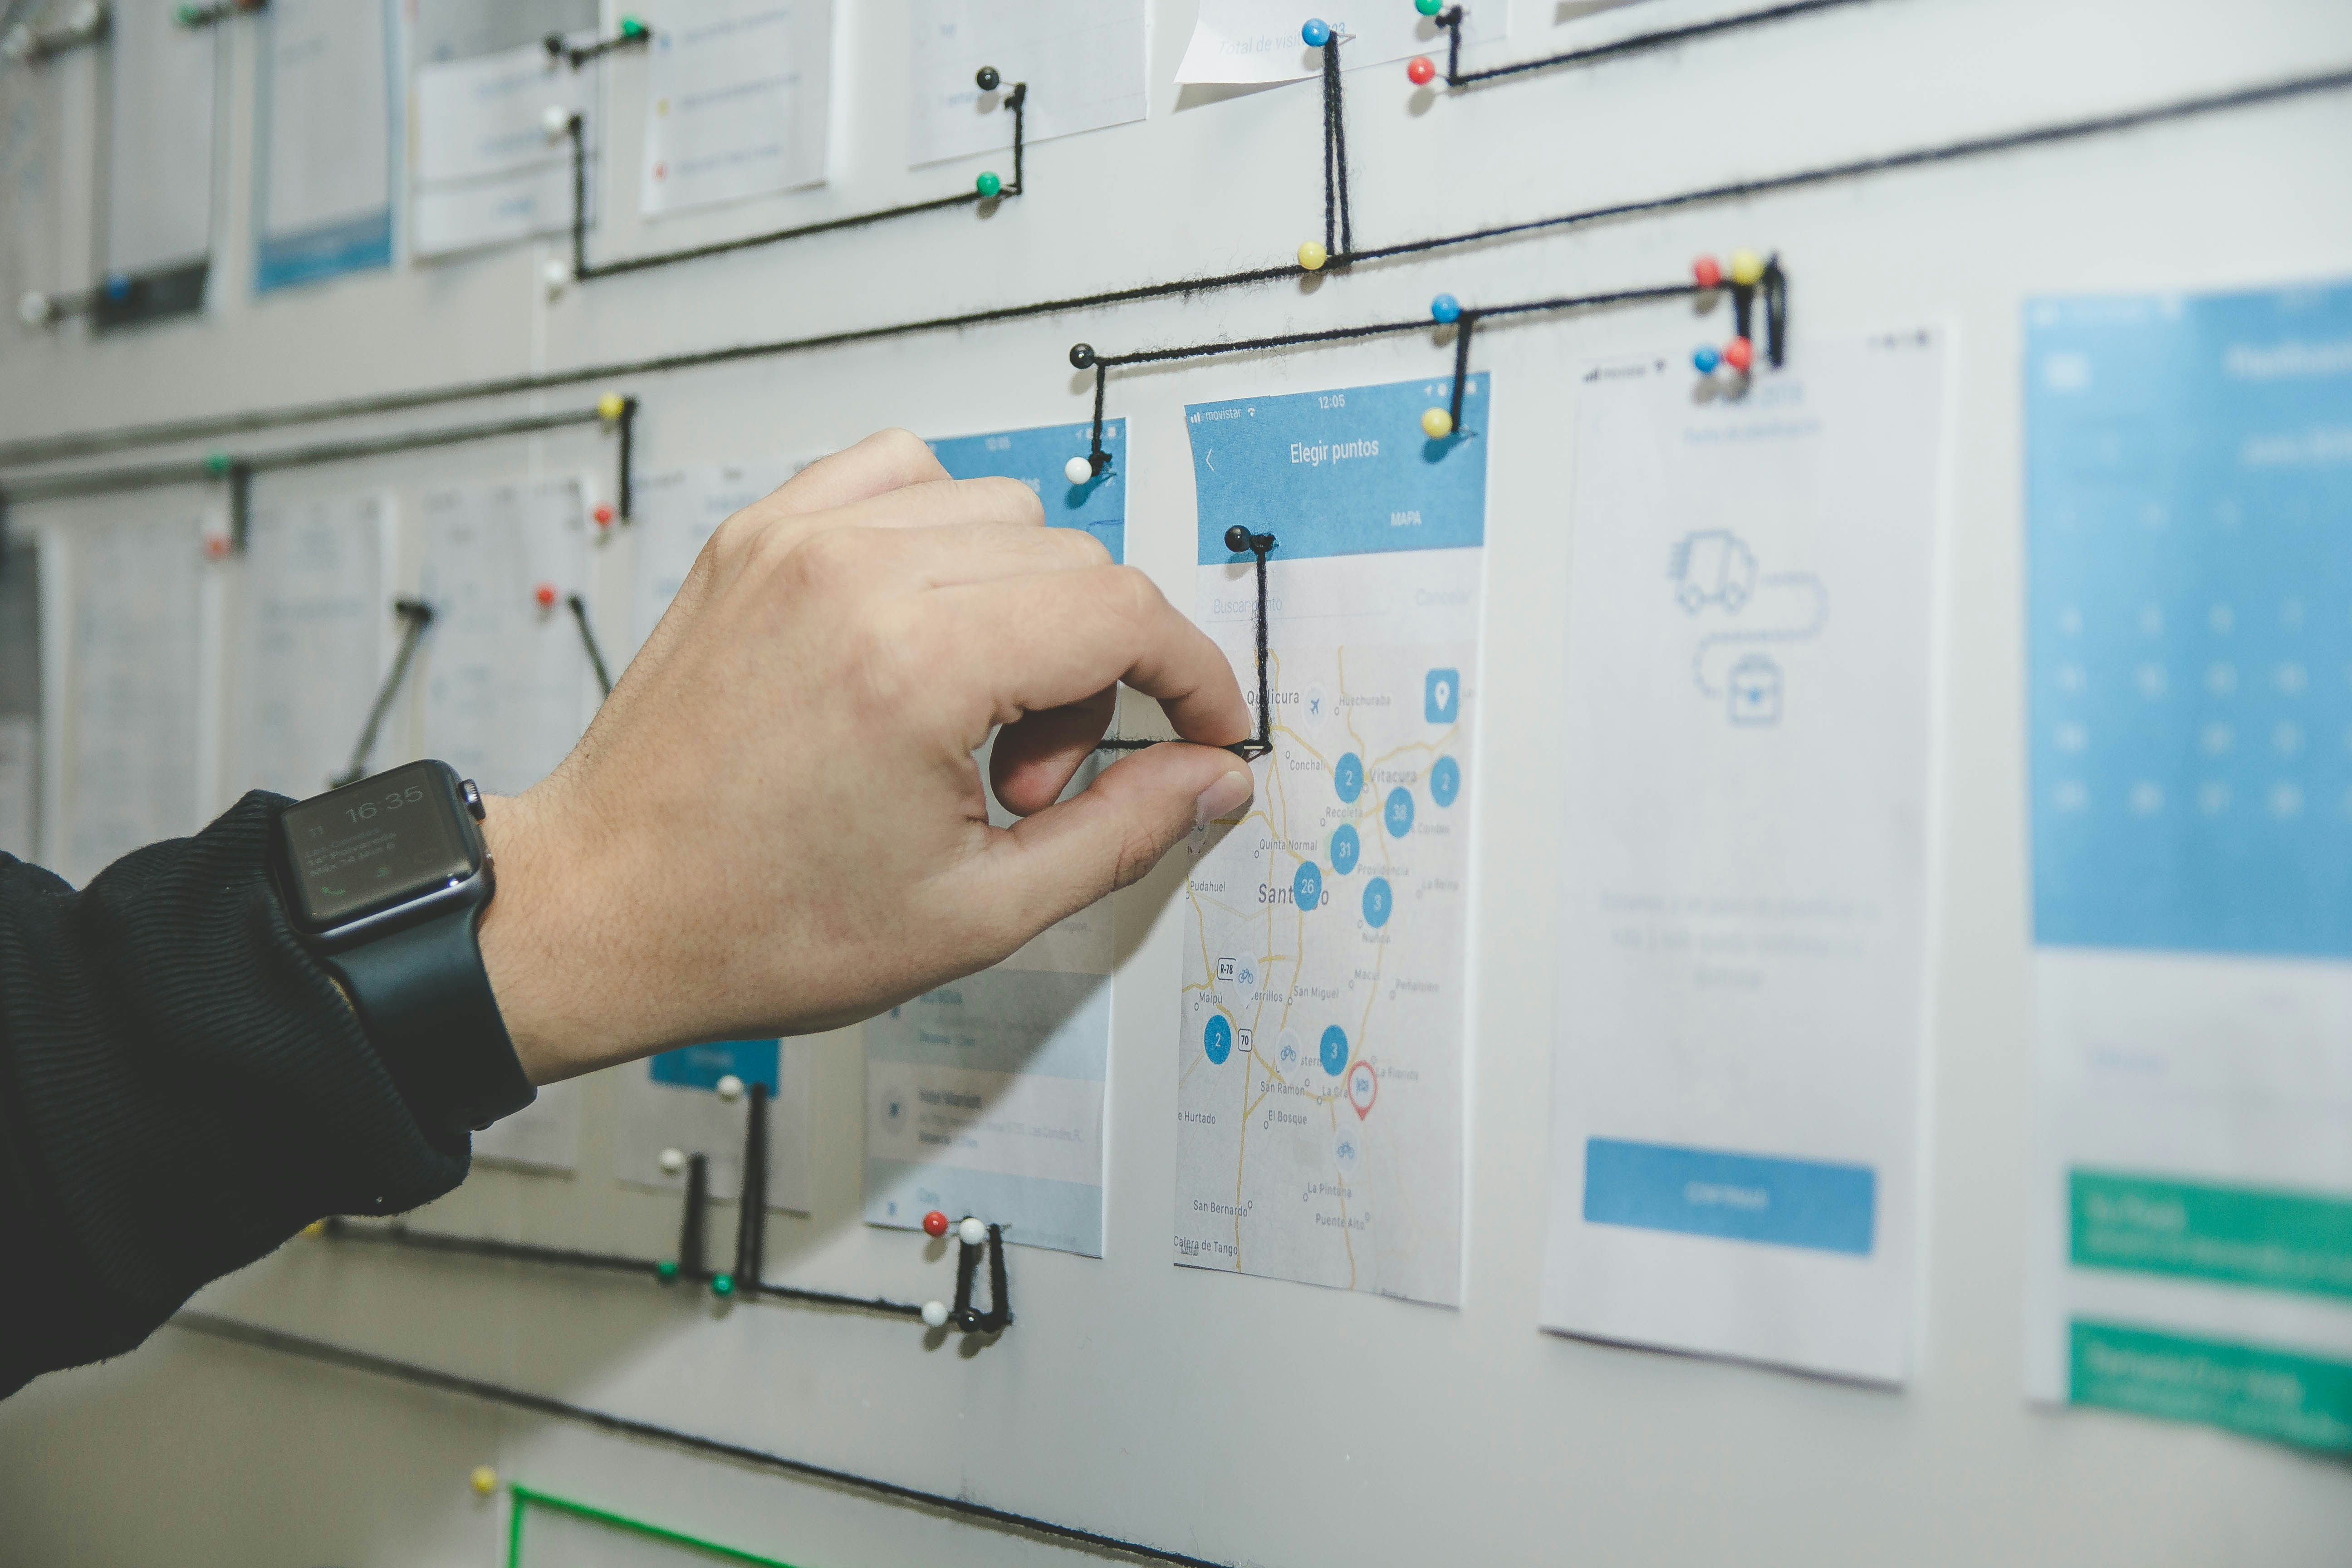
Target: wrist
{"points": [[553, 966]]}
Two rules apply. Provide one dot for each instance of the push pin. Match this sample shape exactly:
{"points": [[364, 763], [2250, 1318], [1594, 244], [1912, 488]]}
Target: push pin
{"points": [[1705, 359], [935, 1224], [545, 595], [730, 1087], [667, 1271], [216, 546], [632, 28], [722, 1285], [986, 79], [1312, 256], [610, 406], [1436, 423], [35, 309], [971, 1233], [1429, 7], [1705, 273], [1445, 309], [1747, 268], [218, 462], [989, 187], [1739, 354], [935, 1314], [603, 515], [484, 1480], [1421, 70], [1082, 356], [1079, 471], [18, 44], [118, 287], [672, 1161], [1316, 32], [555, 120], [556, 276]]}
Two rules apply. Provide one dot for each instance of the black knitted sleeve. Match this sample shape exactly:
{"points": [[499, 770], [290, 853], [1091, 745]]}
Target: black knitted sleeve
{"points": [[182, 1087]]}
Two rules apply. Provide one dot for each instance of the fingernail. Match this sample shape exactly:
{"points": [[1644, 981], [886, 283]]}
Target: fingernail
{"points": [[1230, 792]]}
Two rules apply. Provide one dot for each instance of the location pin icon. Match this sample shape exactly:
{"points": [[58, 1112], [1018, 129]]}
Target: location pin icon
{"points": [[1363, 1087]]}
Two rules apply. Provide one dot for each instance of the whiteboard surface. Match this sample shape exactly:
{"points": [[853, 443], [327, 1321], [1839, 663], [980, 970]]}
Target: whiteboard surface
{"points": [[1236, 1418]]}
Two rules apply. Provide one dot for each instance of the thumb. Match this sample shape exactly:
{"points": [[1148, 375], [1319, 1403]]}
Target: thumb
{"points": [[1073, 853]]}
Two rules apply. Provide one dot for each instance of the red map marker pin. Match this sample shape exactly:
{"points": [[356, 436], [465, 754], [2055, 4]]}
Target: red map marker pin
{"points": [[1363, 1087]]}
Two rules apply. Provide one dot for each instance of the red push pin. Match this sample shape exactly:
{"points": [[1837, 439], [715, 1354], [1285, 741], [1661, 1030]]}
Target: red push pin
{"points": [[1739, 353], [1705, 273], [546, 595], [603, 516], [935, 1224], [1419, 70], [216, 545]]}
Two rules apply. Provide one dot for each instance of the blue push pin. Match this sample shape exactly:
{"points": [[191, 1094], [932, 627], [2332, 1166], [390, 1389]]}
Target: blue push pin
{"points": [[118, 287], [1445, 308], [1705, 359], [1318, 32]]}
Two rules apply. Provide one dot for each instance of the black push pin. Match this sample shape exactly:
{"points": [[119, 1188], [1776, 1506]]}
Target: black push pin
{"points": [[1082, 356], [986, 79]]}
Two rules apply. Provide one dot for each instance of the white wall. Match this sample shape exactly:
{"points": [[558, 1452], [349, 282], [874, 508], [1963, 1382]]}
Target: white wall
{"points": [[1245, 1419]]}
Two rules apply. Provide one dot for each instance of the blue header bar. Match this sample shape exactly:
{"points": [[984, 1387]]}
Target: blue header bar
{"points": [[1345, 472], [1037, 457]]}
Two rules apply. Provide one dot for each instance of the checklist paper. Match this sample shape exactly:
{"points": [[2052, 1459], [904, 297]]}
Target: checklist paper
{"points": [[1744, 724]]}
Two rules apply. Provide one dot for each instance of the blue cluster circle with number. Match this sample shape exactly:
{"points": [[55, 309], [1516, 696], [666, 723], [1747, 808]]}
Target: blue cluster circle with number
{"points": [[1399, 815], [1444, 781], [1217, 1039], [1345, 847], [1335, 1050], [1307, 886], [1347, 776], [1377, 902]]}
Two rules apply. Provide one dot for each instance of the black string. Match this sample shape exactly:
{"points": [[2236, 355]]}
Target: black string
{"points": [[254, 1336], [210, 15], [751, 1209], [1237, 540], [414, 614], [558, 49], [50, 448], [583, 269], [1338, 248], [1451, 20], [588, 640], [690, 1239]]}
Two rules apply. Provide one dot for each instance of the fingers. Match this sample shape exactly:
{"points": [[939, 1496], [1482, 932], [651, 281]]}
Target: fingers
{"points": [[1036, 756], [1070, 854], [884, 461], [1044, 641]]}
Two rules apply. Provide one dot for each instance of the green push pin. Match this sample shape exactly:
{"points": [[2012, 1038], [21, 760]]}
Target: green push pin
{"points": [[632, 28], [987, 185], [218, 462], [722, 1284], [667, 1271], [1429, 7], [188, 15]]}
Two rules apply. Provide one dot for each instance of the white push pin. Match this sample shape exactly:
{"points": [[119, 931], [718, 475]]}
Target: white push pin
{"points": [[731, 1088], [17, 44], [86, 16], [935, 1314], [971, 1233], [556, 120], [1079, 470], [672, 1161], [33, 309], [557, 276]]}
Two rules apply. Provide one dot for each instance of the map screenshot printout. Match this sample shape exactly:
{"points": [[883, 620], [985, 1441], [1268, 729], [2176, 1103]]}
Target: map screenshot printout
{"points": [[1319, 1045], [985, 1097], [2188, 615]]}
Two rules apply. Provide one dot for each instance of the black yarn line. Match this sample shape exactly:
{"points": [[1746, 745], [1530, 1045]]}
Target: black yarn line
{"points": [[254, 1336], [1335, 129], [579, 608], [751, 1208], [214, 15], [1330, 192], [414, 614], [558, 49], [690, 1266], [1640, 42], [1015, 99], [52, 447]]}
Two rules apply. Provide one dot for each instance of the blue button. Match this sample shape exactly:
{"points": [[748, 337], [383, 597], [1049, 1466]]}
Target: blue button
{"points": [[1217, 1039], [1441, 696], [1741, 1197]]}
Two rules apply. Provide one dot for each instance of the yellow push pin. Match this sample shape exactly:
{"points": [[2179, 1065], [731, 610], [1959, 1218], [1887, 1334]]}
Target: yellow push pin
{"points": [[485, 1480], [1312, 256], [1747, 268], [316, 1227], [1437, 423], [611, 405]]}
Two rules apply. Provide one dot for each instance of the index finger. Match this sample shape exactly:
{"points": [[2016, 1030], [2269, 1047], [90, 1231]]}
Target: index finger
{"points": [[884, 461], [1045, 641]]}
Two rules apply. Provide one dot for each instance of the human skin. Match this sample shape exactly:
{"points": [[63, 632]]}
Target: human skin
{"points": [[775, 823]]}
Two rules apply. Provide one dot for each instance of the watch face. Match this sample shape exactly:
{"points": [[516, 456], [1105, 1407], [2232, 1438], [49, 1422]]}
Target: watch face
{"points": [[375, 845]]}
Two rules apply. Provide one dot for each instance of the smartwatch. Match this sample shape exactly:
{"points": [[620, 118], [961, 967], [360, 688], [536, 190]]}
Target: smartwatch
{"points": [[385, 881]]}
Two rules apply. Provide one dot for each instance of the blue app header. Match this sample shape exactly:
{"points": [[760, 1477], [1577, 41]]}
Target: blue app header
{"points": [[1037, 457], [701, 1067], [1346, 472]]}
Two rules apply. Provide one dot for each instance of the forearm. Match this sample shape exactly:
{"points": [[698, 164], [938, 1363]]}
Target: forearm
{"points": [[180, 1089]]}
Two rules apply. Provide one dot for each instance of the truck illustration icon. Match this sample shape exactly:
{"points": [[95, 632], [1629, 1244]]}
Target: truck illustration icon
{"points": [[1712, 566]]}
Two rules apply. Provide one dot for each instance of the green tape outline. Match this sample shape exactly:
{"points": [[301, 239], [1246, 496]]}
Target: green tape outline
{"points": [[525, 1497]]}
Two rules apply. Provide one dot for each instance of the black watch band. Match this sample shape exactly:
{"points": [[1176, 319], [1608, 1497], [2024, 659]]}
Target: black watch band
{"points": [[426, 1001]]}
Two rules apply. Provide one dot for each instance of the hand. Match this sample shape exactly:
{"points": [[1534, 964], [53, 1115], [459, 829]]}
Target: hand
{"points": [[775, 823]]}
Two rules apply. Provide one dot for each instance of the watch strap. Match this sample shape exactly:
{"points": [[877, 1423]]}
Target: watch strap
{"points": [[425, 1000]]}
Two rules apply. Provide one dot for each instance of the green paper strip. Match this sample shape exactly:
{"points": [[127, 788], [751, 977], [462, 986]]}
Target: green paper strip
{"points": [[2271, 1394], [2269, 1239], [526, 1497]]}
